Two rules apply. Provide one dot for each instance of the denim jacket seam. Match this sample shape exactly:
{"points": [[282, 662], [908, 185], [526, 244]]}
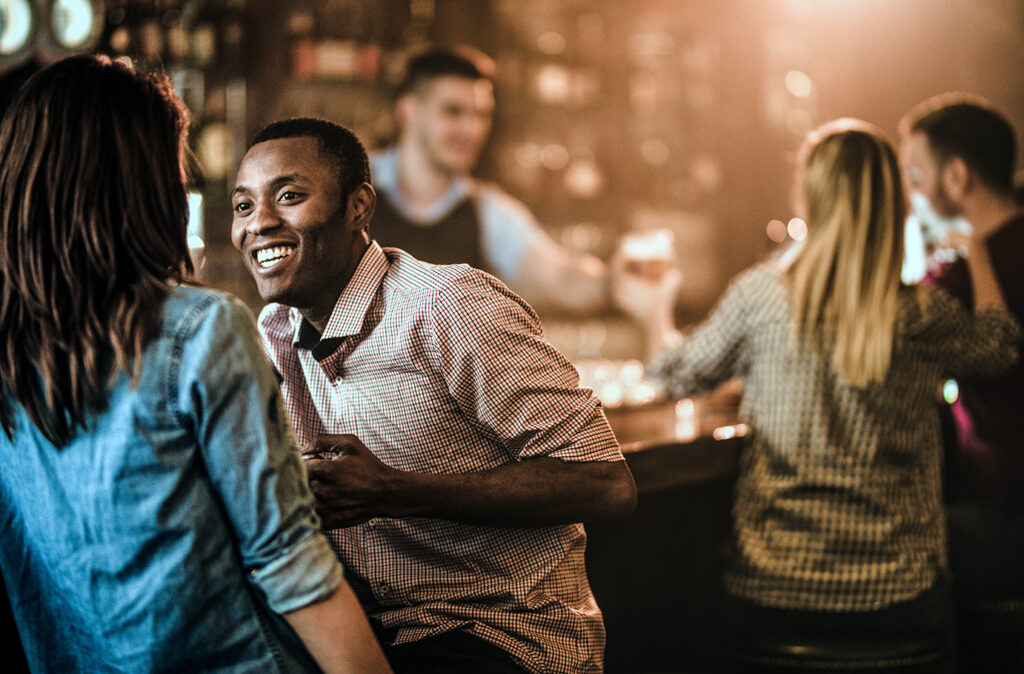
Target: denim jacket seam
{"points": [[184, 328]]}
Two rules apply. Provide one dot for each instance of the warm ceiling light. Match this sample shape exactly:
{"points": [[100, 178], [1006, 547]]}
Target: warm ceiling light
{"points": [[799, 83], [73, 22], [16, 21]]}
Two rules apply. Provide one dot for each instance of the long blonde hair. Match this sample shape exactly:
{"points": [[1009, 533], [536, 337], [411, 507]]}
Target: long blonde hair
{"points": [[844, 283]]}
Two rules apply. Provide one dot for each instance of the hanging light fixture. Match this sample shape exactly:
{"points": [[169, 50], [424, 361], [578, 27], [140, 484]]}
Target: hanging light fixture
{"points": [[71, 25], [17, 28], [75, 23]]}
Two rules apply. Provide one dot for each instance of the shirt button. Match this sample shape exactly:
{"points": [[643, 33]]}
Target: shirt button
{"points": [[384, 588]]}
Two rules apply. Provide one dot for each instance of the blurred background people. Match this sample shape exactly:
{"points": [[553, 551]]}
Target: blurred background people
{"points": [[959, 155], [432, 206], [154, 511], [838, 522]]}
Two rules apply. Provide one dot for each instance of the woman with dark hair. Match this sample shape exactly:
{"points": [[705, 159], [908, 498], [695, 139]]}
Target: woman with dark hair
{"points": [[838, 522], [154, 511]]}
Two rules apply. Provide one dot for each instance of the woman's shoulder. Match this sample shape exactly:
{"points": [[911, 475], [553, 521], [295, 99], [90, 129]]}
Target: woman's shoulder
{"points": [[188, 307], [760, 285]]}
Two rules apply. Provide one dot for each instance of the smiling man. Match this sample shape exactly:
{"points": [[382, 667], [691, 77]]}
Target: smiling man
{"points": [[464, 452]]}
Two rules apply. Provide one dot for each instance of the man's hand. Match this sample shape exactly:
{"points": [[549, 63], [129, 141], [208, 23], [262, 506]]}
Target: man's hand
{"points": [[649, 299], [351, 487]]}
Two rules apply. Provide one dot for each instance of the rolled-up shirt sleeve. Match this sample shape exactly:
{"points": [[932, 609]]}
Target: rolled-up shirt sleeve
{"points": [[513, 382], [304, 574], [228, 390]]}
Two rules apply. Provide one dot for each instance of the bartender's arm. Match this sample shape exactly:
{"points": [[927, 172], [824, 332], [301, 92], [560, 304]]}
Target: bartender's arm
{"points": [[557, 278], [523, 255]]}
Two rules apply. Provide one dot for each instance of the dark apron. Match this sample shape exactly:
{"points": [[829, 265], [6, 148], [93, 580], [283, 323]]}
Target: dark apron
{"points": [[454, 239]]}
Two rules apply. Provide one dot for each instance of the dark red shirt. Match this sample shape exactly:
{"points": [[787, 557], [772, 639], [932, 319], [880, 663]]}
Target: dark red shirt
{"points": [[989, 414]]}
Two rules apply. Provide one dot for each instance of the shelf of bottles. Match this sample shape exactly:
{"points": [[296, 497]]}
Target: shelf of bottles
{"points": [[199, 45]]}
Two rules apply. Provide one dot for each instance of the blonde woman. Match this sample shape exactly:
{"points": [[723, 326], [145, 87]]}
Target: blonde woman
{"points": [[838, 523]]}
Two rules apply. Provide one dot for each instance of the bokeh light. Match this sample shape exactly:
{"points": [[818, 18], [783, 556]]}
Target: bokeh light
{"points": [[776, 231], [797, 229]]}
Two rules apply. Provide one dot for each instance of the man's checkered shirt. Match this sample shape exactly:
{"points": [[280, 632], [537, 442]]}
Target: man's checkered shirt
{"points": [[443, 369], [837, 505]]}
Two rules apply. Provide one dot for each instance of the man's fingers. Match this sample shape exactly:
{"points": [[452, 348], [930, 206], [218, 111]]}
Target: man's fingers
{"points": [[333, 446]]}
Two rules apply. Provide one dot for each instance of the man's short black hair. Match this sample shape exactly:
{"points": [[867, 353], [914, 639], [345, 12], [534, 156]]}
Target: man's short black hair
{"points": [[337, 142], [968, 127], [432, 62]]}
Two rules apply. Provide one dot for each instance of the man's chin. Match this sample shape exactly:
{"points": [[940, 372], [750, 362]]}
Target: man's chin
{"points": [[272, 292], [459, 163]]}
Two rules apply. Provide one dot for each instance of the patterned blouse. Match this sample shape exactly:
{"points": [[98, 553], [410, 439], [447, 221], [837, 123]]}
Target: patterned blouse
{"points": [[837, 505]]}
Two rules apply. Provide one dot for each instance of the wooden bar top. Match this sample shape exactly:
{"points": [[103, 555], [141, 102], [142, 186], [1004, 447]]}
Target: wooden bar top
{"points": [[675, 443]]}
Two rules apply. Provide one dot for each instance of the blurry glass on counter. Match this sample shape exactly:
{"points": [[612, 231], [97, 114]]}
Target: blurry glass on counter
{"points": [[700, 416], [618, 383]]}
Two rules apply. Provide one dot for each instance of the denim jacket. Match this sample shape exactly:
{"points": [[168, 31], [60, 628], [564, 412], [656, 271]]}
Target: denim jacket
{"points": [[172, 531]]}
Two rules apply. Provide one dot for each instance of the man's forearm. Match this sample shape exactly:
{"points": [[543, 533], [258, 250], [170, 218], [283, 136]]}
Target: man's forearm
{"points": [[987, 292], [575, 285], [535, 492]]}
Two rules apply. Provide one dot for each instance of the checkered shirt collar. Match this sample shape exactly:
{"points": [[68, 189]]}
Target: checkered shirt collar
{"points": [[349, 312]]}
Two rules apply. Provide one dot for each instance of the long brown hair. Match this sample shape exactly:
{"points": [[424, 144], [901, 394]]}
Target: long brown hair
{"points": [[846, 278], [93, 217]]}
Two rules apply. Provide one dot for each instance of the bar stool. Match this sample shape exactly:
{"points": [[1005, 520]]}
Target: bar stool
{"points": [[852, 655]]}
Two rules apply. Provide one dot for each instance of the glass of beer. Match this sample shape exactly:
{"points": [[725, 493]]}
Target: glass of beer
{"points": [[648, 253]]}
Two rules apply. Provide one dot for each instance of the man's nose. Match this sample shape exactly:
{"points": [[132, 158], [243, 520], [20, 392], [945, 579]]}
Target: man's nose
{"points": [[263, 219]]}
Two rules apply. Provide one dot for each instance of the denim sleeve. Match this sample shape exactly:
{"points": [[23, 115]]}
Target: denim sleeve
{"points": [[227, 391]]}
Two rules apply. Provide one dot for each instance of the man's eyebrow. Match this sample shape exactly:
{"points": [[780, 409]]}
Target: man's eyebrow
{"points": [[275, 183]]}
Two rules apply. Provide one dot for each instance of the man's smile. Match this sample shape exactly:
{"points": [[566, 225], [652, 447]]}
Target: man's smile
{"points": [[267, 258]]}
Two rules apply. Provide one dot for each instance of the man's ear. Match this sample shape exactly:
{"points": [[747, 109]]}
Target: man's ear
{"points": [[957, 178], [361, 204], [405, 108]]}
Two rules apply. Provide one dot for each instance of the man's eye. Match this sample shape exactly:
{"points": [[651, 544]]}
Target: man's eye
{"points": [[242, 207], [288, 195]]}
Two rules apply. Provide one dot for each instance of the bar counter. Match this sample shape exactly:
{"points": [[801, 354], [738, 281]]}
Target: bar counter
{"points": [[672, 444], [656, 574]]}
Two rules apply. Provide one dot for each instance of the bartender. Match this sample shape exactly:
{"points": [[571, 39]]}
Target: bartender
{"points": [[430, 204]]}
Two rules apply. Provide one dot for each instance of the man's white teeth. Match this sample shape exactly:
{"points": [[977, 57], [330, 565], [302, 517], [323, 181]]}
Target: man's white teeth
{"points": [[268, 257]]}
